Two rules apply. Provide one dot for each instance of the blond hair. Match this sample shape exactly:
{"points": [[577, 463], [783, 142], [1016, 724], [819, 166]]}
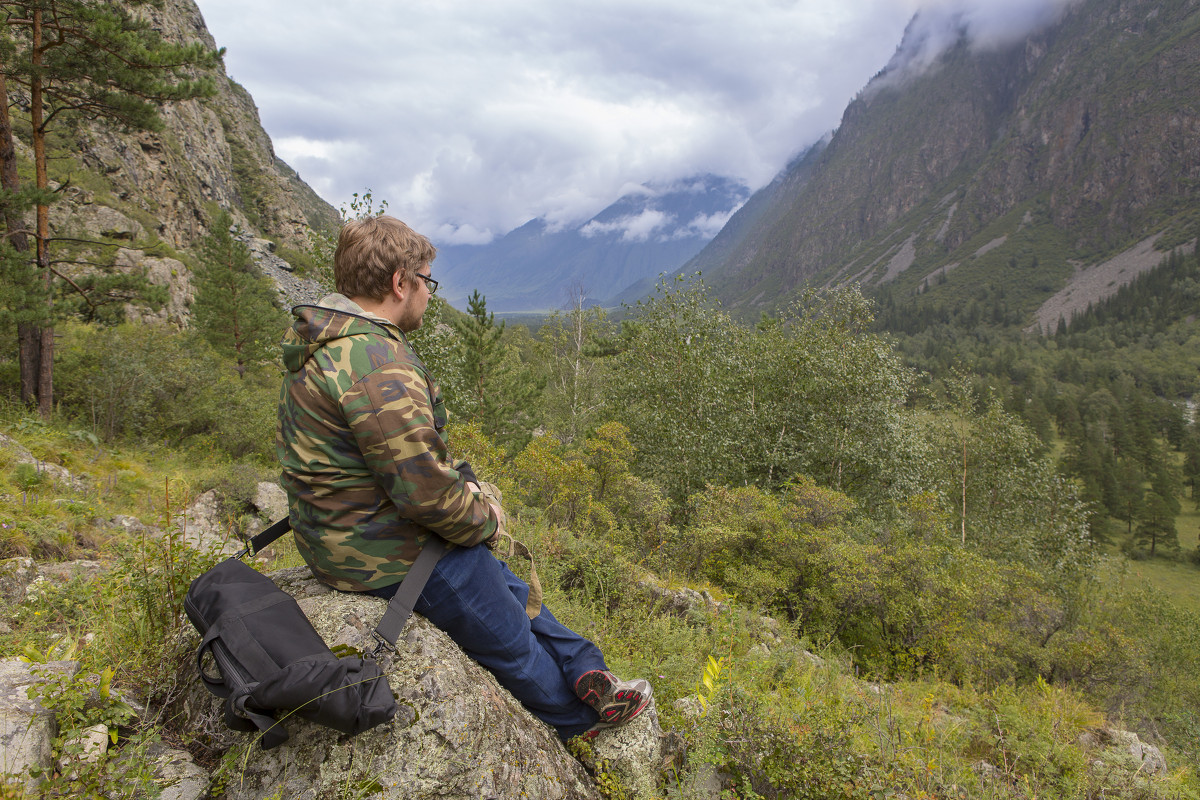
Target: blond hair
{"points": [[369, 251]]}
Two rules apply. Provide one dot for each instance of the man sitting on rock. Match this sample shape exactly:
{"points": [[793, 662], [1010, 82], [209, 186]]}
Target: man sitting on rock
{"points": [[369, 482]]}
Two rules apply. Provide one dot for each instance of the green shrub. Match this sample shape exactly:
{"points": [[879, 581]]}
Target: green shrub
{"points": [[155, 383], [773, 748]]}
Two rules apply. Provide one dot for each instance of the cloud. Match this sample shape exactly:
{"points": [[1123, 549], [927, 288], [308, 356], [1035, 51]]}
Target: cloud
{"points": [[633, 228], [473, 118], [707, 225], [940, 24]]}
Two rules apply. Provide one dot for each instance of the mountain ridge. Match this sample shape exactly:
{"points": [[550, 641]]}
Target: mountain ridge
{"points": [[645, 233], [1072, 144]]}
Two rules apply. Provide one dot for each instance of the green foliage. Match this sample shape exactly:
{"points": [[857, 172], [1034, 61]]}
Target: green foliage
{"points": [[491, 384], [304, 262], [251, 183], [774, 750], [1109, 393], [1009, 666], [571, 346], [709, 678], [104, 61], [679, 376], [813, 393], [236, 309], [28, 477], [557, 482], [81, 701], [100, 61], [1010, 501], [23, 294], [154, 382]]}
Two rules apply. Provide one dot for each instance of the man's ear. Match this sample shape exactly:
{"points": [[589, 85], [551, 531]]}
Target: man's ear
{"points": [[399, 287]]}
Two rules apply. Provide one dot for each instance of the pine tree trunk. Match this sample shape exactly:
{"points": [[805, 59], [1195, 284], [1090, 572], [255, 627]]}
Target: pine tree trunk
{"points": [[28, 336], [45, 374], [29, 354]]}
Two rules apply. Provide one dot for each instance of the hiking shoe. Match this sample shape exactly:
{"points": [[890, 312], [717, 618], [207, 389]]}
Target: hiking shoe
{"points": [[616, 701]]}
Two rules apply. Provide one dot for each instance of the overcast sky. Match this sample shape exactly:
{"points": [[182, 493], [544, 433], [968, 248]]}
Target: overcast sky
{"points": [[471, 117]]}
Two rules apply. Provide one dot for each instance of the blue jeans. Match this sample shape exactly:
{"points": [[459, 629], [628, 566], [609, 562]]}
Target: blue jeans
{"points": [[480, 604]]}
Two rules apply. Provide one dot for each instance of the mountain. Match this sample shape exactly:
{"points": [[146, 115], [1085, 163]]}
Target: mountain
{"points": [[211, 151], [642, 235], [148, 198], [1047, 171]]}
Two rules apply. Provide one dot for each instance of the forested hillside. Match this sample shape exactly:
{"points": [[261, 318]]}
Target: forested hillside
{"points": [[864, 546], [1005, 167]]}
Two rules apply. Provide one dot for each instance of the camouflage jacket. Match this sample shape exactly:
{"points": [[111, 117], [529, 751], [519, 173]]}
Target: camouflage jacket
{"points": [[360, 442]]}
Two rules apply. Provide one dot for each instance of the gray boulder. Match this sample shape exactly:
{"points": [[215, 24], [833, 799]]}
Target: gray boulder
{"points": [[271, 504], [204, 527], [16, 575], [1124, 749], [26, 727], [271, 500], [457, 734], [636, 754], [58, 474], [176, 775]]}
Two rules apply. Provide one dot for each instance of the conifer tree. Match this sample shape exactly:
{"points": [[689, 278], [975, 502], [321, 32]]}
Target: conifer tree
{"points": [[1156, 524], [496, 388], [1191, 463], [480, 353], [235, 310], [89, 59], [1127, 500]]}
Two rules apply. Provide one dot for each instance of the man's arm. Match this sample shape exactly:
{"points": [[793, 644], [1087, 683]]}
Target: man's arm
{"points": [[391, 417]]}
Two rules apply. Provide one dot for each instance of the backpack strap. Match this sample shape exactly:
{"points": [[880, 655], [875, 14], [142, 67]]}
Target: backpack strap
{"points": [[255, 545], [400, 607], [241, 717]]}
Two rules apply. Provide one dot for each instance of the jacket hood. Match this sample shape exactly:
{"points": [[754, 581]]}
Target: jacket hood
{"points": [[334, 316]]}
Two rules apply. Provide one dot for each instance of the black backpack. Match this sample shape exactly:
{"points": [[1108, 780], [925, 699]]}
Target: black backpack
{"points": [[271, 660]]}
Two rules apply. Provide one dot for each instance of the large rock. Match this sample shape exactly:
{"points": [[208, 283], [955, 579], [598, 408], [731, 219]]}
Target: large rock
{"points": [[636, 755], [457, 734], [169, 273], [205, 528], [16, 575], [1124, 749], [26, 727], [176, 775], [271, 503], [271, 500], [22, 456]]}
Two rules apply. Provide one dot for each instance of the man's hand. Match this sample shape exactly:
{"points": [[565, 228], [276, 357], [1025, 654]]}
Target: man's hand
{"points": [[494, 539]]}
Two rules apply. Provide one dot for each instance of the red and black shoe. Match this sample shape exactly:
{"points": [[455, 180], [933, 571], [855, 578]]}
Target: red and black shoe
{"points": [[616, 701]]}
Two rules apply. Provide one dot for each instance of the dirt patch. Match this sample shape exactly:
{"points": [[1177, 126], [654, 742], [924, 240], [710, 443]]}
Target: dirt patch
{"points": [[902, 260], [992, 245], [1090, 285]]}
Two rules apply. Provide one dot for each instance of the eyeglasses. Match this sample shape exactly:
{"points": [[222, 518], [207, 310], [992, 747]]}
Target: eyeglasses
{"points": [[430, 283]]}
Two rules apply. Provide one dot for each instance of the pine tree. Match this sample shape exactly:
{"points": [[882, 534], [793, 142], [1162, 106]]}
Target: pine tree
{"points": [[1127, 499], [235, 309], [1191, 463], [90, 59], [497, 389], [1156, 524], [480, 353]]}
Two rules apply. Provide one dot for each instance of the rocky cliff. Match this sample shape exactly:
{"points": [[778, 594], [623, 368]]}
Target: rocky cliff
{"points": [[135, 189], [1061, 149]]}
